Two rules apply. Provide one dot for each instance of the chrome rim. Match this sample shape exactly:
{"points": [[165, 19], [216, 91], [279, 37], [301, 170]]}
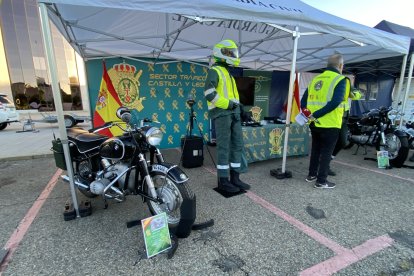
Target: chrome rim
{"points": [[171, 197], [393, 145]]}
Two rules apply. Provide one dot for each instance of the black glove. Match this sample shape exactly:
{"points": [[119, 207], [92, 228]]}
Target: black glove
{"points": [[232, 105]]}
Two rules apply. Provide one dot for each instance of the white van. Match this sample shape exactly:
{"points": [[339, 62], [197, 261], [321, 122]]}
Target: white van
{"points": [[8, 113]]}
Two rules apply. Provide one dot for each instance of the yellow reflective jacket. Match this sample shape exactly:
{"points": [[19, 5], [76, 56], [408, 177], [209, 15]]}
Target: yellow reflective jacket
{"points": [[320, 91], [226, 89]]}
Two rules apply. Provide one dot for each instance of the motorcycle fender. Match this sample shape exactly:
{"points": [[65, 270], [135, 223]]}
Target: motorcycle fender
{"points": [[172, 171], [400, 133]]}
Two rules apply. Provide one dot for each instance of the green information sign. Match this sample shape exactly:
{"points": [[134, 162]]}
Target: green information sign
{"points": [[261, 93], [156, 234]]}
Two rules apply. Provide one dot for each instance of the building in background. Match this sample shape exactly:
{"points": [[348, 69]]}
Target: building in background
{"points": [[24, 74]]}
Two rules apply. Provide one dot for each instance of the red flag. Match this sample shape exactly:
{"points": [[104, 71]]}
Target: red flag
{"points": [[106, 105], [295, 101]]}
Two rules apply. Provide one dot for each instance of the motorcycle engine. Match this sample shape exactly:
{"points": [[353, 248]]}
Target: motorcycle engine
{"points": [[97, 187], [365, 129], [110, 172], [118, 169]]}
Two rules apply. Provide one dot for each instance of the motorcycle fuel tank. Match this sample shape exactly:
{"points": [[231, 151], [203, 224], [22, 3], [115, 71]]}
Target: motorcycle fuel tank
{"points": [[115, 149]]}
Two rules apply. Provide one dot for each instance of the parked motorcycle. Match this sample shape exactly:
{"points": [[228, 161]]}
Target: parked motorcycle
{"points": [[376, 129], [409, 128], [130, 164]]}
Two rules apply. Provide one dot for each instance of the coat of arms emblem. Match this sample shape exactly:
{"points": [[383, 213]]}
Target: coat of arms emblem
{"points": [[126, 82]]}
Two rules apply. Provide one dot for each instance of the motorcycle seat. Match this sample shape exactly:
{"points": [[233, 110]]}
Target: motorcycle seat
{"points": [[87, 141], [74, 132]]}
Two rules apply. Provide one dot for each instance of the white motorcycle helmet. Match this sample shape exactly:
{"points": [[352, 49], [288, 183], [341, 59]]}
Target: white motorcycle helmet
{"points": [[226, 51]]}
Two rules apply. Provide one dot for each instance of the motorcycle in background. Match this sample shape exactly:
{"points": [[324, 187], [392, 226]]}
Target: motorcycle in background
{"points": [[130, 164], [396, 115], [375, 128]]}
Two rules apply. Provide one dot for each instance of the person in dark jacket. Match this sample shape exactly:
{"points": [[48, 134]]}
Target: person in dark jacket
{"points": [[323, 97]]}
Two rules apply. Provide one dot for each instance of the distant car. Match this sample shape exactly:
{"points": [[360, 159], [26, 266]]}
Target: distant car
{"points": [[8, 113]]}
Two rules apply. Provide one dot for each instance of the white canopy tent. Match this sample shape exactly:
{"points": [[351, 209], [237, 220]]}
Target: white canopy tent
{"points": [[271, 34]]}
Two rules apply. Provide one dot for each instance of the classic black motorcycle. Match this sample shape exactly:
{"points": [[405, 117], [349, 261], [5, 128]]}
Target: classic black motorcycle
{"points": [[376, 129], [130, 164]]}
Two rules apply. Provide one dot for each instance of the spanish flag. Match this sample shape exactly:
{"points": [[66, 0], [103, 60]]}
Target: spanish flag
{"points": [[296, 101], [107, 104]]}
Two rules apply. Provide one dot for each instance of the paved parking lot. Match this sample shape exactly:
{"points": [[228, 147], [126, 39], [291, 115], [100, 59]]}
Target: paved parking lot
{"points": [[280, 227]]}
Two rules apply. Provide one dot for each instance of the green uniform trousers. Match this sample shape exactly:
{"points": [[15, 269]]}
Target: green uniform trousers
{"points": [[229, 140]]}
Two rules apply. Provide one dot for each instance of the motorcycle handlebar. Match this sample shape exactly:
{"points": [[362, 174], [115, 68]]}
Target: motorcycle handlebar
{"points": [[104, 126], [111, 124]]}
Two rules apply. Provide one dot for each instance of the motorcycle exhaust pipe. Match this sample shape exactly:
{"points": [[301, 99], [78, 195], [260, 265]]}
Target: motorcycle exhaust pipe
{"points": [[358, 139], [79, 184]]}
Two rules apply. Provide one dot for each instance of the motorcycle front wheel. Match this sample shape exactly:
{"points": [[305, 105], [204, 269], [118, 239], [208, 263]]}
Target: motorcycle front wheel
{"points": [[397, 147], [172, 195]]}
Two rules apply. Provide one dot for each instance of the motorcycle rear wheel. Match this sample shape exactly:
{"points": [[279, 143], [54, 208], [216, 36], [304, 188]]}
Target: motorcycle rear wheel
{"points": [[398, 148], [83, 169], [172, 194]]}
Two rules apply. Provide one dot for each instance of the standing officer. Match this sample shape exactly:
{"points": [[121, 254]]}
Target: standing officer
{"points": [[323, 98], [351, 94], [222, 97]]}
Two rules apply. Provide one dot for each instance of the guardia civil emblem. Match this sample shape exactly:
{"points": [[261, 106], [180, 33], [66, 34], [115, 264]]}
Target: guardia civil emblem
{"points": [[256, 111], [126, 82], [318, 85], [275, 139]]}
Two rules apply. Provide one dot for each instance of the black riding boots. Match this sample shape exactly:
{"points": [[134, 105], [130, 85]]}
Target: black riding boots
{"points": [[235, 180], [225, 185]]}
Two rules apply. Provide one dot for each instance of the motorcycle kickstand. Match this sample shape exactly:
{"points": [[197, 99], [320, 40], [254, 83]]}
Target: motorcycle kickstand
{"points": [[356, 152], [105, 202]]}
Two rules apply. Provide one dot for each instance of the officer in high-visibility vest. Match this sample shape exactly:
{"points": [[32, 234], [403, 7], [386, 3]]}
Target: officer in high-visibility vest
{"points": [[323, 97], [351, 94], [224, 109]]}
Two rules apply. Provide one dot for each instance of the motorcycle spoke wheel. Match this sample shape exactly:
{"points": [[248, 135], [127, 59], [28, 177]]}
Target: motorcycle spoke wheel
{"points": [[393, 145], [83, 170], [172, 197]]}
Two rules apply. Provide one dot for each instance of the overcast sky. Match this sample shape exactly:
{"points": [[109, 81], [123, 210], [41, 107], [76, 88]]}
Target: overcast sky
{"points": [[369, 12]]}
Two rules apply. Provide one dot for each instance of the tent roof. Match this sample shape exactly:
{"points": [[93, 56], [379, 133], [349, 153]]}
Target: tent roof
{"points": [[187, 30], [397, 29], [389, 66]]}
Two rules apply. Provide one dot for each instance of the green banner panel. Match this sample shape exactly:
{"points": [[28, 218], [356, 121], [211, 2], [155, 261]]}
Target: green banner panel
{"points": [[266, 142], [157, 91]]}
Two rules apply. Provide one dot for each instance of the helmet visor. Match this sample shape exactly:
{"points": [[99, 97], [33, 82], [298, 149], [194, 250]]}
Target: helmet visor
{"points": [[230, 52]]}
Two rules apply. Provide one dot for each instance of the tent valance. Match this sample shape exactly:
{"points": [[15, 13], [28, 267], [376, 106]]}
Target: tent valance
{"points": [[188, 30]]}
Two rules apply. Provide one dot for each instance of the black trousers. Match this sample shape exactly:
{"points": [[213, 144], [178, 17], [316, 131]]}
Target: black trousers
{"points": [[323, 144], [343, 133]]}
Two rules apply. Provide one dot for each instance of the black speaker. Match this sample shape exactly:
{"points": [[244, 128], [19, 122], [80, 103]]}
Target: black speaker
{"points": [[192, 151]]}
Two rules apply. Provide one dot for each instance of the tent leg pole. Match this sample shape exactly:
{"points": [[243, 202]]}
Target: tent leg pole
{"points": [[283, 173], [400, 84], [51, 61], [407, 89]]}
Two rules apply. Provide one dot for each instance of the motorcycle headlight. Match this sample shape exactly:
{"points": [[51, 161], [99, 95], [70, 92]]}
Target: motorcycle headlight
{"points": [[154, 136]]}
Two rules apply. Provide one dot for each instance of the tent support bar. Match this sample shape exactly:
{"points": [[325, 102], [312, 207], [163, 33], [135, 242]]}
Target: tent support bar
{"points": [[282, 28], [407, 89], [296, 36], [400, 84], [69, 31], [51, 61]]}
